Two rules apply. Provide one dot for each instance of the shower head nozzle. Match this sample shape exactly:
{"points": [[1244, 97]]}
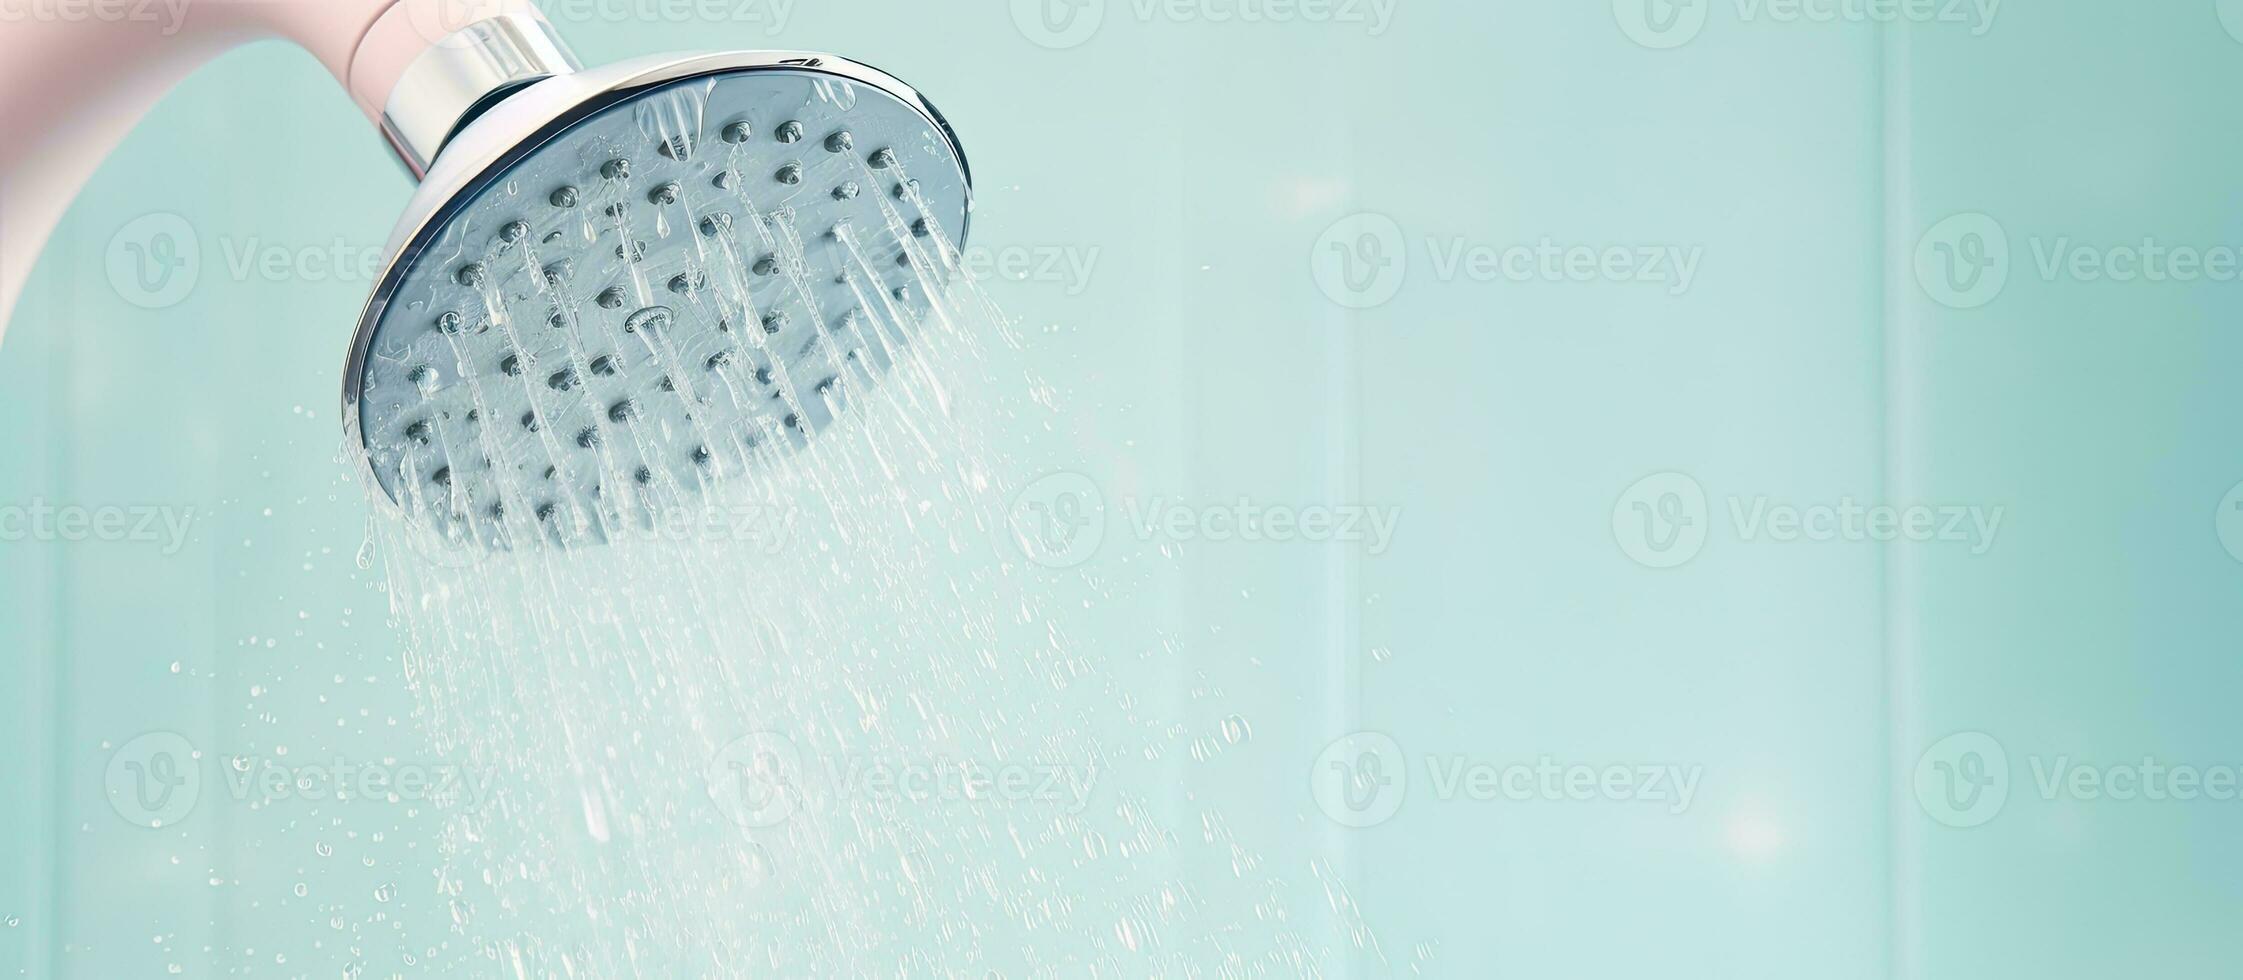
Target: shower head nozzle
{"points": [[642, 278]]}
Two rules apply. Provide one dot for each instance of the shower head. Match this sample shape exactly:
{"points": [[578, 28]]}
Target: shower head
{"points": [[614, 288], [620, 286]]}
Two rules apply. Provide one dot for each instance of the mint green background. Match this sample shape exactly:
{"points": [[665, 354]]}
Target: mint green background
{"points": [[1202, 161]]}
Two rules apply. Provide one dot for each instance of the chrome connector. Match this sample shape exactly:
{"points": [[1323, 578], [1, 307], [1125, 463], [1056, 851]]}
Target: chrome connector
{"points": [[458, 77]]}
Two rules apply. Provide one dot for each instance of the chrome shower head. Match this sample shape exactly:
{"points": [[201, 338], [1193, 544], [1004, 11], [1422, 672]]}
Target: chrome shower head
{"points": [[634, 281], [615, 286], [638, 279]]}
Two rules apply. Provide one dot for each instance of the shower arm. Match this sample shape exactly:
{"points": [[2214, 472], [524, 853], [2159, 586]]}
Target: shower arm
{"points": [[71, 87]]}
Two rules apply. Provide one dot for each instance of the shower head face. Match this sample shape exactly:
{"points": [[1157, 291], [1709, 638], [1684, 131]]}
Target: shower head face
{"points": [[615, 292]]}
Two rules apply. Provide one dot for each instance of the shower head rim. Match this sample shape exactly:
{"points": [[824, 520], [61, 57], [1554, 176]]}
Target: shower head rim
{"points": [[487, 148]]}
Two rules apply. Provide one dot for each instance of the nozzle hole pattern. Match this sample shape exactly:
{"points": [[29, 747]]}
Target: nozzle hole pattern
{"points": [[590, 291]]}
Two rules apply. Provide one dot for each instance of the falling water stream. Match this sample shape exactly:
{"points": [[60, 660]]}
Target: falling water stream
{"points": [[804, 707]]}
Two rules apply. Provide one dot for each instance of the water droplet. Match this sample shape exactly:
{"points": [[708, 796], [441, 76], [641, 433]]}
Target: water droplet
{"points": [[1236, 730]]}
